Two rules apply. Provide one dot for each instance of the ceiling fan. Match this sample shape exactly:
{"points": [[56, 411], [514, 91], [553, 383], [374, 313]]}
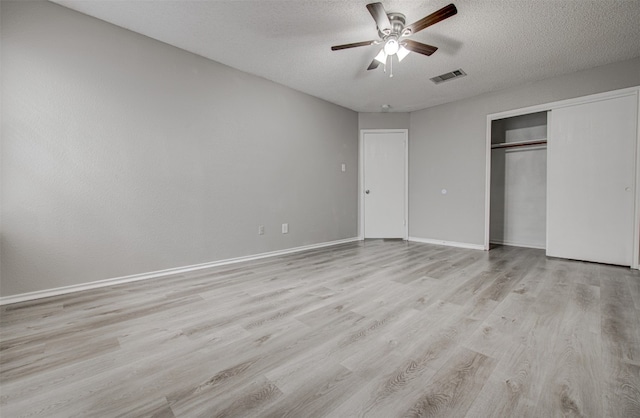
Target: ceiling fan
{"points": [[393, 34]]}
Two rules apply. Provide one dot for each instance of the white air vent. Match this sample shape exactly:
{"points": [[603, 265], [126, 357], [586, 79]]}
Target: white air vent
{"points": [[448, 76]]}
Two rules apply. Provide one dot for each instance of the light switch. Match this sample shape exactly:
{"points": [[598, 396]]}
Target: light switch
{"points": [[344, 167]]}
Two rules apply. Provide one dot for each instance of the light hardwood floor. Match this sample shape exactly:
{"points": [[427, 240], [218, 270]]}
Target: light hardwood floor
{"points": [[376, 328]]}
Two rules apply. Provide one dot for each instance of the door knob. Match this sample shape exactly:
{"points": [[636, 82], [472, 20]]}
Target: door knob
{"points": [[367, 191]]}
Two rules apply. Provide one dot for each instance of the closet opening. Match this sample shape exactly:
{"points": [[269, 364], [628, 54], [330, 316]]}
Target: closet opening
{"points": [[518, 189]]}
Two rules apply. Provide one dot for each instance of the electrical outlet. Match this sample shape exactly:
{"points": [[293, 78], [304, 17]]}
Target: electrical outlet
{"points": [[260, 229], [285, 228]]}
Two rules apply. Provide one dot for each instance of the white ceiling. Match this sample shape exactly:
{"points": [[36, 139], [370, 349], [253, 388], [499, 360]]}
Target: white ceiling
{"points": [[498, 43]]}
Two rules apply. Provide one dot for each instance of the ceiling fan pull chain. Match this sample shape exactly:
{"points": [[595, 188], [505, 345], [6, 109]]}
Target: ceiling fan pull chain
{"points": [[391, 66]]}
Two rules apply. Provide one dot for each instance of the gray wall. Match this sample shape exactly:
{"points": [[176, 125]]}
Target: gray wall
{"points": [[123, 155], [447, 149], [390, 120]]}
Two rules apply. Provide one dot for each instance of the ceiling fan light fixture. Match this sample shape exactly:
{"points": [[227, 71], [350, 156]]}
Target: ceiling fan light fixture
{"points": [[391, 46], [402, 53], [381, 57]]}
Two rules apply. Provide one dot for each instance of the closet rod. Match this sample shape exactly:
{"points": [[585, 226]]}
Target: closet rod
{"points": [[519, 144]]}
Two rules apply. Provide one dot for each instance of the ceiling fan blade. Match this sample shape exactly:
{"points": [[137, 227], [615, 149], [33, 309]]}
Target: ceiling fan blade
{"points": [[374, 64], [419, 47], [380, 16], [433, 18], [353, 45]]}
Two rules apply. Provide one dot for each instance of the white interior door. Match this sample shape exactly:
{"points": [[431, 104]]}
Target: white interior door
{"points": [[591, 170], [384, 184]]}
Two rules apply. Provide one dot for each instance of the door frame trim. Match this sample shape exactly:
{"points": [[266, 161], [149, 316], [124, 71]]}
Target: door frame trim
{"points": [[635, 260], [363, 132]]}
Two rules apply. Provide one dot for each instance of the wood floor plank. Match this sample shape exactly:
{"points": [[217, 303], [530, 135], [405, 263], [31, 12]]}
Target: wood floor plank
{"points": [[621, 396], [416, 360], [634, 285], [375, 328], [317, 394], [454, 387], [255, 399], [390, 383], [620, 335]]}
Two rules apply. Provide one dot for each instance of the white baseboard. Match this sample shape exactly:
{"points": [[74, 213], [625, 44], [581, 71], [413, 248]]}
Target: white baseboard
{"points": [[6, 300], [518, 244], [448, 243]]}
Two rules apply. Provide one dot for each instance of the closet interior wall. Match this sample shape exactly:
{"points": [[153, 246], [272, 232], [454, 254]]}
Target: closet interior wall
{"points": [[518, 193]]}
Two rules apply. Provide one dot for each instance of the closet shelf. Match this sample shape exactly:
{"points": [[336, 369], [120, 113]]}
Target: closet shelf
{"points": [[519, 144]]}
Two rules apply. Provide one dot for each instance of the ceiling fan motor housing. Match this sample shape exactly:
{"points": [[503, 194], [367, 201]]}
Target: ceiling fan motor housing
{"points": [[397, 21]]}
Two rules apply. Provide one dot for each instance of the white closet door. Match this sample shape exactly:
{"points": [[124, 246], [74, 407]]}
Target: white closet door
{"points": [[590, 181], [384, 183]]}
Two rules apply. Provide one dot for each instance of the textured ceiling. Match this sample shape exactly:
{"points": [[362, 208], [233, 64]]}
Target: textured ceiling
{"points": [[498, 43]]}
